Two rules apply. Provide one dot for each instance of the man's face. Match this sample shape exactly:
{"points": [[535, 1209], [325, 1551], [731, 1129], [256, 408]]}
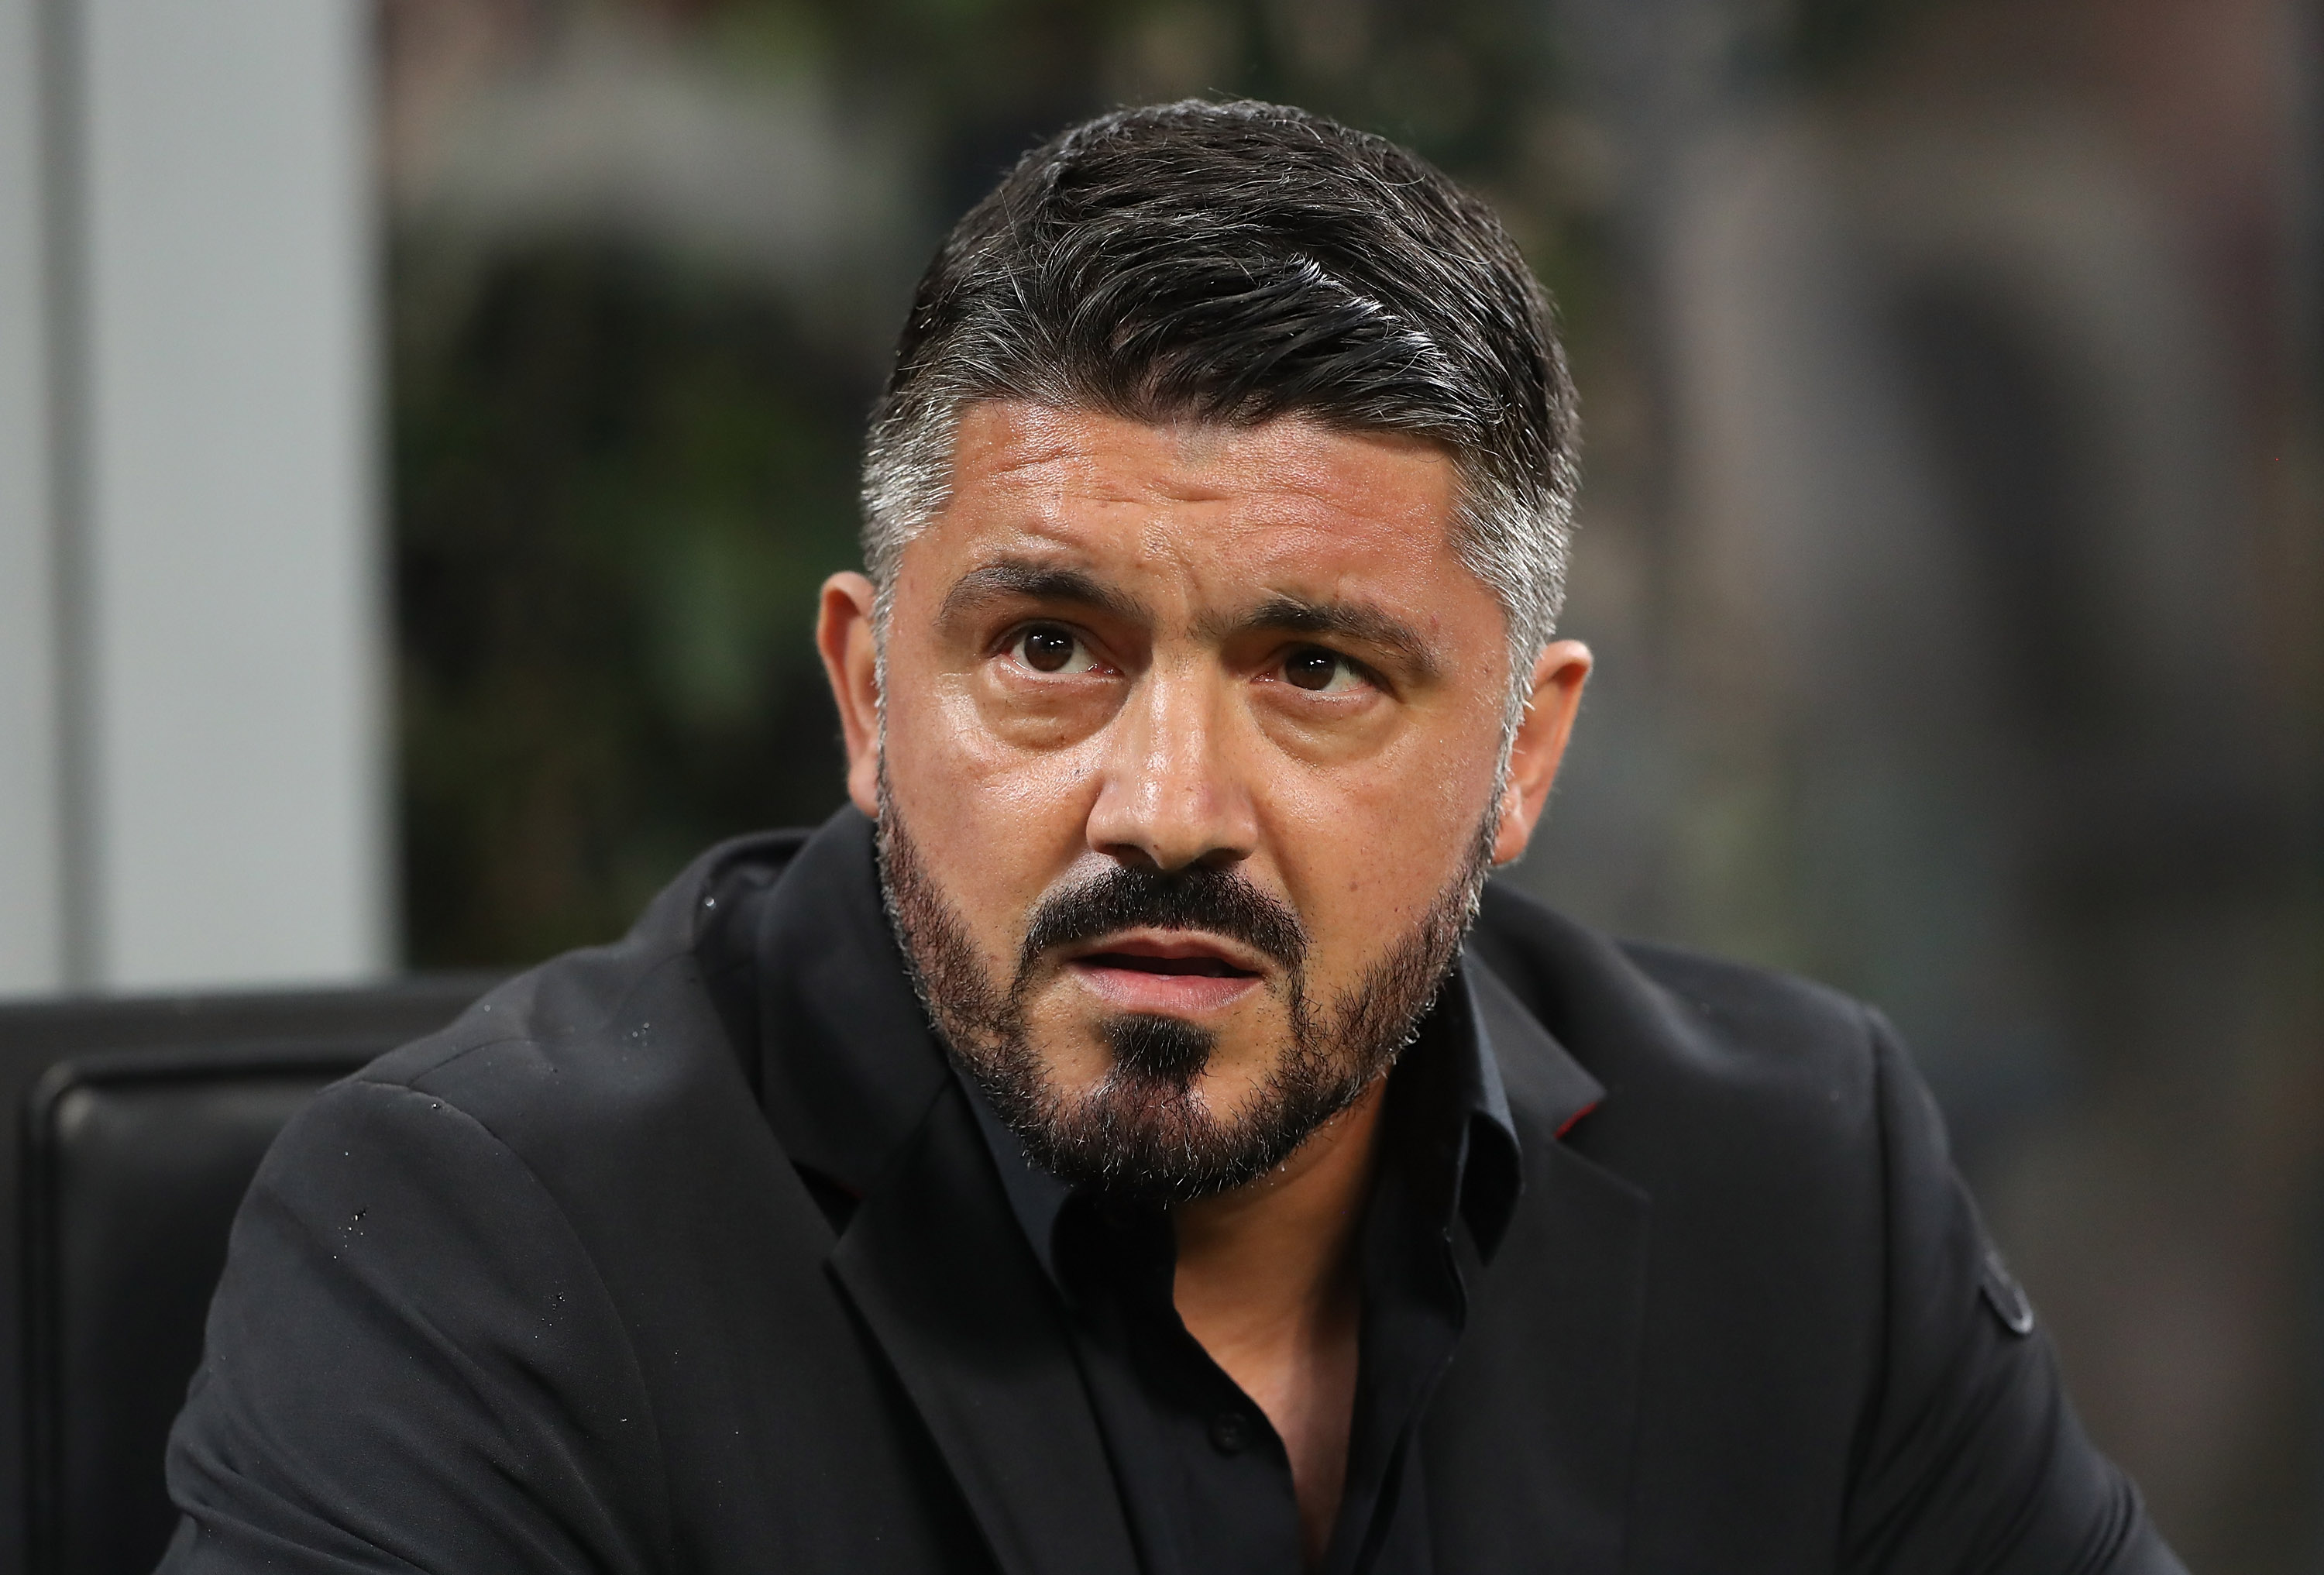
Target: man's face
{"points": [[1185, 766]]}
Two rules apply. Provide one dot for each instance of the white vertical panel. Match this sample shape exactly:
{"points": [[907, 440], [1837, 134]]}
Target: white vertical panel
{"points": [[237, 734], [31, 913]]}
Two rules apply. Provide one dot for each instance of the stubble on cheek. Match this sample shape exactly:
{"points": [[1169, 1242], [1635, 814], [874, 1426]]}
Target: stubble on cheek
{"points": [[1148, 1112], [953, 983], [1031, 1025]]}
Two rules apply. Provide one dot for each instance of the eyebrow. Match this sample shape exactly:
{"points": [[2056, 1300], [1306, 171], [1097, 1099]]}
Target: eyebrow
{"points": [[1039, 582], [1359, 621], [1362, 623]]}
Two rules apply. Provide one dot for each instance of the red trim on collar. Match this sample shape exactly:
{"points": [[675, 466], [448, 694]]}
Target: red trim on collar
{"points": [[1574, 1119]]}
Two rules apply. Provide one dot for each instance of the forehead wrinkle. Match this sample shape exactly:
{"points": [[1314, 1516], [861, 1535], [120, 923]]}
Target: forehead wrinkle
{"points": [[1045, 448]]}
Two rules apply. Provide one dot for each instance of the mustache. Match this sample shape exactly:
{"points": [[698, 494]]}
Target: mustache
{"points": [[1219, 900]]}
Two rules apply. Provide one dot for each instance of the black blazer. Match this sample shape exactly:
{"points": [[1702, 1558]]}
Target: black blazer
{"points": [[683, 1254]]}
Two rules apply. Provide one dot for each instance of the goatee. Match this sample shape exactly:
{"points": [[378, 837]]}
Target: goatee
{"points": [[1142, 1130]]}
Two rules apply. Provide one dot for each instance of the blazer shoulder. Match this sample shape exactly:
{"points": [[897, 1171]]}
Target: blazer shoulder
{"points": [[1678, 1035], [643, 1038]]}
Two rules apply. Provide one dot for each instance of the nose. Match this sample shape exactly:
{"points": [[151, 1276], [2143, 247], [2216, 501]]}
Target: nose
{"points": [[1174, 793]]}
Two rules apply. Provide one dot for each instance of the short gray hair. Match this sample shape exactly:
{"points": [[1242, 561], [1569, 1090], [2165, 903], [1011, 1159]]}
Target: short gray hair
{"points": [[1237, 263]]}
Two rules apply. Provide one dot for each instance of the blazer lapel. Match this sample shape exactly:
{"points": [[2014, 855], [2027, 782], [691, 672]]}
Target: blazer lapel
{"points": [[1527, 1447], [940, 1271], [858, 1091]]}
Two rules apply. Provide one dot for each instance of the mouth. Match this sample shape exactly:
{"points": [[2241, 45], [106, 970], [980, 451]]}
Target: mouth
{"points": [[1171, 972]]}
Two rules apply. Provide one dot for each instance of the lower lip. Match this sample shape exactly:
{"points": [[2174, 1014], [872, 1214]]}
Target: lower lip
{"points": [[1133, 990]]}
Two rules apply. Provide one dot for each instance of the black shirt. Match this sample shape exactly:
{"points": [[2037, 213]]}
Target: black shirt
{"points": [[1203, 1474]]}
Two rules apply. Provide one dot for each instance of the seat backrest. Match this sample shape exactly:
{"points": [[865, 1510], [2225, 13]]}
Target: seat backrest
{"points": [[136, 1150]]}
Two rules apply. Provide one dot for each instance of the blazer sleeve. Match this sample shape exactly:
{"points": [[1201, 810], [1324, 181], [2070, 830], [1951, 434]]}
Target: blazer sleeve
{"points": [[1971, 1457], [412, 1365]]}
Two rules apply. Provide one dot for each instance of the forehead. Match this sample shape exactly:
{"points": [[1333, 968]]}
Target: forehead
{"points": [[1200, 502]]}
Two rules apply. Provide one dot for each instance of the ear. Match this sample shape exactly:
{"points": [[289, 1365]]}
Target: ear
{"points": [[1540, 744], [850, 660]]}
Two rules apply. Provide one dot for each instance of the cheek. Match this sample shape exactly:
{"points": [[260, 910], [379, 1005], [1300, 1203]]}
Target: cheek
{"points": [[981, 782], [996, 827], [1367, 853]]}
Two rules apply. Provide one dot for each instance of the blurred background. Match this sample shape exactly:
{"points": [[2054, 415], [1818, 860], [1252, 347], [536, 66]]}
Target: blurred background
{"points": [[423, 424]]}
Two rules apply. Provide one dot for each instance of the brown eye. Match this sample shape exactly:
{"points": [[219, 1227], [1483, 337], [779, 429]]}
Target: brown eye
{"points": [[1313, 668], [1048, 651]]}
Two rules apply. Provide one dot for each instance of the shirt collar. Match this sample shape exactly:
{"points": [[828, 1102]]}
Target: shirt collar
{"points": [[1448, 1103], [1035, 1196], [1490, 1172]]}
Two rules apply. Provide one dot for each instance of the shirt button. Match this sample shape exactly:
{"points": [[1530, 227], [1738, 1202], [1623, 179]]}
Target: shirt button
{"points": [[1229, 1433]]}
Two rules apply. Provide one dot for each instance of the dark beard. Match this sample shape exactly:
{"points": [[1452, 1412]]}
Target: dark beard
{"points": [[1141, 1131]]}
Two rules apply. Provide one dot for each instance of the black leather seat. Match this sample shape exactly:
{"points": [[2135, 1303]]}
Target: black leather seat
{"points": [[142, 1122]]}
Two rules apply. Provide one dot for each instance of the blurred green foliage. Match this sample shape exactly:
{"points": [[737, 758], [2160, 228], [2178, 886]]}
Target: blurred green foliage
{"points": [[618, 488]]}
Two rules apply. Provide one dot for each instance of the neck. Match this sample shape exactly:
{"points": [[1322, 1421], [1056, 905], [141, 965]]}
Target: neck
{"points": [[1274, 1246], [1267, 1282]]}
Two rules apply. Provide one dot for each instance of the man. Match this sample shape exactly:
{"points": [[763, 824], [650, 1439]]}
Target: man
{"points": [[1132, 1138]]}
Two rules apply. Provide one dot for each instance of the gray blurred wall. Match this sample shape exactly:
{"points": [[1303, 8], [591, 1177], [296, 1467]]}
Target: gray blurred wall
{"points": [[194, 769]]}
